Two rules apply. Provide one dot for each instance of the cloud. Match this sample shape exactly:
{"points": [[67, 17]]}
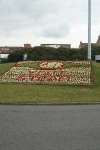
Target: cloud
{"points": [[45, 19]]}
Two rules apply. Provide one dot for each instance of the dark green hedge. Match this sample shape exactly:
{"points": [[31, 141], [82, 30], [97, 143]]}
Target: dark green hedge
{"points": [[40, 53]]}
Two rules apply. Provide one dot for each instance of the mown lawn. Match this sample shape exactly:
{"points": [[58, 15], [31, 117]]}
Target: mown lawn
{"points": [[25, 93], [5, 67]]}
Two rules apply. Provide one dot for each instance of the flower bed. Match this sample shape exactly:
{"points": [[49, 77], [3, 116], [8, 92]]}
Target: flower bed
{"points": [[51, 65], [51, 73]]}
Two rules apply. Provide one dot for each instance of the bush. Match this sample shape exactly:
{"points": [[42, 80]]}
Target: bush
{"points": [[46, 53]]}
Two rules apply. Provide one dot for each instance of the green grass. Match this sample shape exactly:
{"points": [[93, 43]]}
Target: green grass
{"points": [[5, 67], [25, 93]]}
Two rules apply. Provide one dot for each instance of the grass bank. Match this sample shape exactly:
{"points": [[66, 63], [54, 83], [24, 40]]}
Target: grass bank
{"points": [[25, 93]]}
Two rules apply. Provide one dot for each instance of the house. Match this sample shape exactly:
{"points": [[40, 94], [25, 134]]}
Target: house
{"points": [[10, 49], [83, 45], [4, 50]]}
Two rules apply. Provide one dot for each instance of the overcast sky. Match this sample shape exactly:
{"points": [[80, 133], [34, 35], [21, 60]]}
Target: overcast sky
{"points": [[47, 21]]}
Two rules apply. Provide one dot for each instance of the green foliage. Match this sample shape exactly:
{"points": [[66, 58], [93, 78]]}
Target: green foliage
{"points": [[48, 53], [15, 56], [4, 67], [3, 60]]}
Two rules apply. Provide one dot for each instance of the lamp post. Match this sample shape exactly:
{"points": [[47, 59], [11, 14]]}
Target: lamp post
{"points": [[89, 29]]}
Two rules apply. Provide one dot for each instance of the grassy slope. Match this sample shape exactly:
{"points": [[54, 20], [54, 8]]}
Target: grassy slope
{"points": [[5, 67], [49, 93]]}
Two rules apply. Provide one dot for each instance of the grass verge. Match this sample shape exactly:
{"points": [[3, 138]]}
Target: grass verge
{"points": [[36, 94]]}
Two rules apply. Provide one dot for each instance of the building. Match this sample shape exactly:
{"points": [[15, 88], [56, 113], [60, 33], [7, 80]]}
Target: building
{"points": [[56, 45], [98, 41], [83, 45], [10, 49], [4, 50], [4, 56], [27, 46]]}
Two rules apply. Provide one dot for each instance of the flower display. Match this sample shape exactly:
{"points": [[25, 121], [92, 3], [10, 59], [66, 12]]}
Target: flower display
{"points": [[51, 73], [51, 65]]}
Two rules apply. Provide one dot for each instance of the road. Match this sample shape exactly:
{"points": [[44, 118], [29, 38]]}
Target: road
{"points": [[50, 127]]}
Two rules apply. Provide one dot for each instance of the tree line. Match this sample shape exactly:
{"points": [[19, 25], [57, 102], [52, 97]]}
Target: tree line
{"points": [[48, 53]]}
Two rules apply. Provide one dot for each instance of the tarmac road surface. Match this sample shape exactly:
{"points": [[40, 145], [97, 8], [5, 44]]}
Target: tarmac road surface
{"points": [[50, 127]]}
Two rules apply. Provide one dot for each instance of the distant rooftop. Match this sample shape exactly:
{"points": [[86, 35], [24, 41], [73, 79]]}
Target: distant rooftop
{"points": [[56, 45], [82, 45]]}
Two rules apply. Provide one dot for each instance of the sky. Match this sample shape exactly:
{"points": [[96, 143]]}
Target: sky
{"points": [[47, 21]]}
